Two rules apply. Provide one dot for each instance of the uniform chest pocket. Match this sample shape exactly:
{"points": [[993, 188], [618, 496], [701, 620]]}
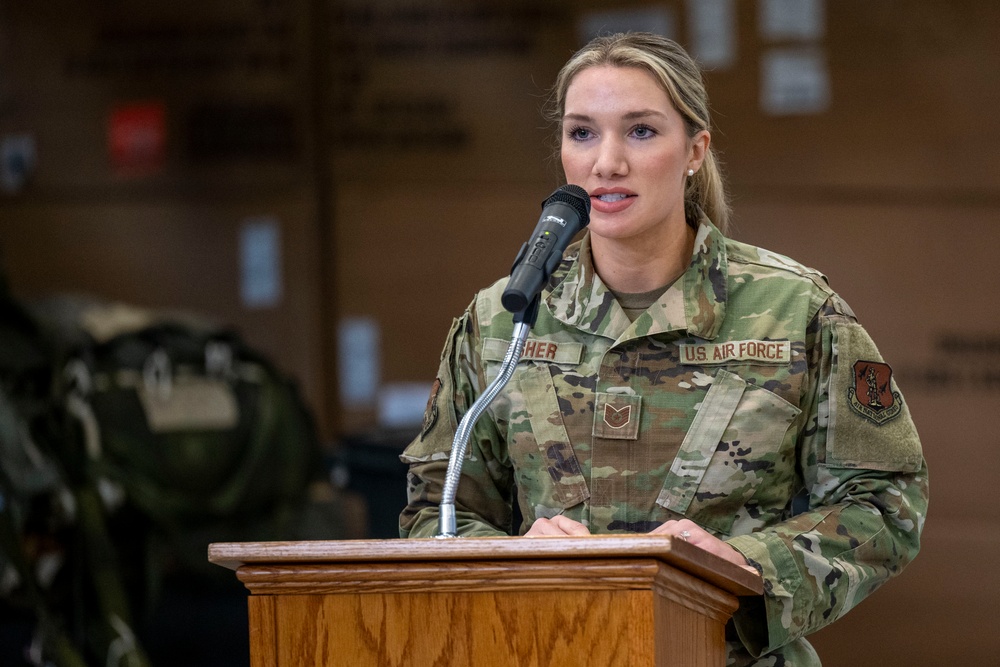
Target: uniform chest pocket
{"points": [[733, 447], [546, 469]]}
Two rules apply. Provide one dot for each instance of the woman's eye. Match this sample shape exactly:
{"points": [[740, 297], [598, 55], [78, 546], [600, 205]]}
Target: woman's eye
{"points": [[579, 133], [643, 132]]}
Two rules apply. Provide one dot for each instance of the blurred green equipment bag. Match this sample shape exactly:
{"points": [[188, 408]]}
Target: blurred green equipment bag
{"points": [[61, 597], [130, 439], [196, 430]]}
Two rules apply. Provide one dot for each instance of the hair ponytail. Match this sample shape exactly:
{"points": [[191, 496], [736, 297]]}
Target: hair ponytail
{"points": [[707, 190]]}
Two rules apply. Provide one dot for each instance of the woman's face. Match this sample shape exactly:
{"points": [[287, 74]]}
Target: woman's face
{"points": [[627, 146]]}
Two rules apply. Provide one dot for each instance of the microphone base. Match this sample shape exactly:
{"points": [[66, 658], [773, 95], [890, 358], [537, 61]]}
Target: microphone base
{"points": [[447, 523]]}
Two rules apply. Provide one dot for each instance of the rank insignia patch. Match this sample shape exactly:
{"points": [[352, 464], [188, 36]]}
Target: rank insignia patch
{"points": [[871, 395], [617, 415], [617, 418]]}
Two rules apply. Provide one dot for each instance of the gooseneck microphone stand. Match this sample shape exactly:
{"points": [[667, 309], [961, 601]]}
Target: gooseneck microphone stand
{"points": [[564, 213], [523, 321]]}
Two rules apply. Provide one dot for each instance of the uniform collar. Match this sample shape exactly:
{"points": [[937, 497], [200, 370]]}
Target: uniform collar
{"points": [[695, 303]]}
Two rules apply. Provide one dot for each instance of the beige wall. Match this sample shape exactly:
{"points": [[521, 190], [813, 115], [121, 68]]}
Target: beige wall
{"points": [[432, 163]]}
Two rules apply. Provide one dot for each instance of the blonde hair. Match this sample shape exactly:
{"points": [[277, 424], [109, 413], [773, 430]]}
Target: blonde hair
{"points": [[680, 77]]}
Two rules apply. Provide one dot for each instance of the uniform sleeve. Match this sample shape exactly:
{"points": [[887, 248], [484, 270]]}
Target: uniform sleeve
{"points": [[483, 500], [867, 486]]}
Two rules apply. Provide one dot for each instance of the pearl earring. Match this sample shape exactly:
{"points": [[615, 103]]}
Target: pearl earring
{"points": [[690, 173]]}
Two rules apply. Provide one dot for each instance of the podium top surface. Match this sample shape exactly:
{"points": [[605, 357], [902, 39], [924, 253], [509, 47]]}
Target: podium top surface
{"points": [[677, 553]]}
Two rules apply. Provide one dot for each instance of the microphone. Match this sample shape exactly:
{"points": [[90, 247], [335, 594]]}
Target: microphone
{"points": [[564, 213]]}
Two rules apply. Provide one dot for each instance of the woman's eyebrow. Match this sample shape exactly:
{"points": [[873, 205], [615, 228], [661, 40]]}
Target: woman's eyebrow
{"points": [[631, 115]]}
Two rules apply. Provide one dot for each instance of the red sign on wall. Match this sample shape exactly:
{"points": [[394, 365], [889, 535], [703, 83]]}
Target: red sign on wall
{"points": [[137, 138]]}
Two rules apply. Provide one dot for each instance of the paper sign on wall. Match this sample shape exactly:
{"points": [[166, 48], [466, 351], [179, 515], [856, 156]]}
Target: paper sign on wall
{"points": [[794, 81], [712, 25], [657, 20], [358, 361], [792, 19], [260, 263]]}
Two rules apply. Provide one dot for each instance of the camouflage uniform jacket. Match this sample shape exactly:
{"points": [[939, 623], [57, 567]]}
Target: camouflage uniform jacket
{"points": [[747, 399]]}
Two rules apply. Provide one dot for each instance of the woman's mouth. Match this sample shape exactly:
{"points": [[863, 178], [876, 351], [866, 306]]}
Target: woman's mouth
{"points": [[611, 202]]}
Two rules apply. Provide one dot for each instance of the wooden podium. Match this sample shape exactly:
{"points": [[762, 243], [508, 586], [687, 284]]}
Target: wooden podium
{"points": [[601, 601]]}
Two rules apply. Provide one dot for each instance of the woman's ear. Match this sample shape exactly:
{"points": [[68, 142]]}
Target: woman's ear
{"points": [[699, 149]]}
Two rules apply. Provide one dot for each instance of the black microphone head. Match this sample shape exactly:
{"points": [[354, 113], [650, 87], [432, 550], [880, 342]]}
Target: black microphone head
{"points": [[575, 197]]}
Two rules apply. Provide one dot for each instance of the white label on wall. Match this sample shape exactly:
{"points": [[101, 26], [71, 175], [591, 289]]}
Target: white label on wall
{"points": [[792, 19], [17, 161], [260, 262], [794, 81], [358, 361], [712, 25], [402, 404], [658, 20]]}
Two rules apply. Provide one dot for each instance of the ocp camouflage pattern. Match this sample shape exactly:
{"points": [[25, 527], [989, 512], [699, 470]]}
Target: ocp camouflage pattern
{"points": [[728, 402]]}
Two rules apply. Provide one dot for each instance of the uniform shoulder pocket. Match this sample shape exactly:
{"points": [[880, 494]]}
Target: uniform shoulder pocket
{"points": [[557, 475], [870, 424]]}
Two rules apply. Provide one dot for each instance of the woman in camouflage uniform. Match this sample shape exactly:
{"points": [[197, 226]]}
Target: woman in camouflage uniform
{"points": [[680, 382]]}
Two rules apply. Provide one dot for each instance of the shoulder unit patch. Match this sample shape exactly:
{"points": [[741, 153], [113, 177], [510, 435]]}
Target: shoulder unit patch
{"points": [[871, 394], [431, 411]]}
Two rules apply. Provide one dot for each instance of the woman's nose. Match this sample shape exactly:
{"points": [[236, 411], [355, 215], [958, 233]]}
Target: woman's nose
{"points": [[611, 160]]}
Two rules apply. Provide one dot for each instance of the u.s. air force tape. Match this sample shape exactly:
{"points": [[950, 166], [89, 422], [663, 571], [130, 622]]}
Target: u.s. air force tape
{"points": [[757, 351]]}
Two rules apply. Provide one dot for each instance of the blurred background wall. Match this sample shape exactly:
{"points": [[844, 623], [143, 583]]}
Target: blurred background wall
{"points": [[336, 178]]}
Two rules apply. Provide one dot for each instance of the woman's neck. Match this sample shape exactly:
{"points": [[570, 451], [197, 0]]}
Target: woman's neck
{"points": [[639, 266]]}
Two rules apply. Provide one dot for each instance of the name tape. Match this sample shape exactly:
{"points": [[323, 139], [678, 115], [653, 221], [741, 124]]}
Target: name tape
{"points": [[494, 349]]}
